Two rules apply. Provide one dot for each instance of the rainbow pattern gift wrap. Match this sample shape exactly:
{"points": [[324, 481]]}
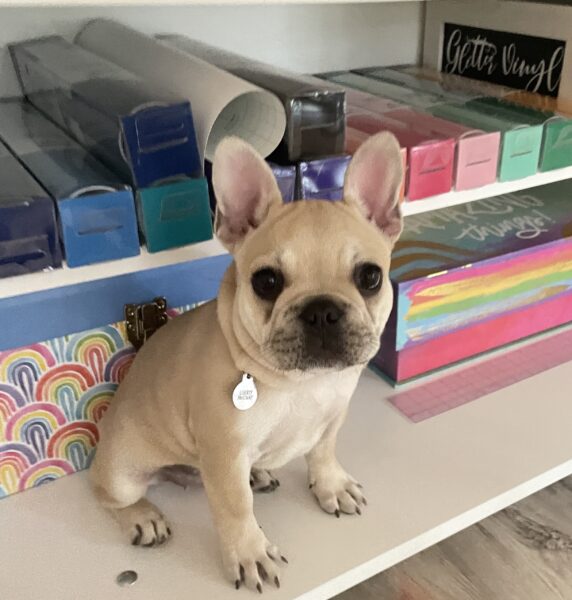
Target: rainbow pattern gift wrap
{"points": [[474, 277], [53, 393], [51, 397]]}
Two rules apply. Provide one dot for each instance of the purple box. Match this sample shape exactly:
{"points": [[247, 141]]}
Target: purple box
{"points": [[322, 179]]}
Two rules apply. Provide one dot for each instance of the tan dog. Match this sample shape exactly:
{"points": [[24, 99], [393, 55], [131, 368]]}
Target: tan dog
{"points": [[300, 311]]}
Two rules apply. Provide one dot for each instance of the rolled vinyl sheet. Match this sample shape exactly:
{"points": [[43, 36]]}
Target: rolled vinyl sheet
{"points": [[222, 104]]}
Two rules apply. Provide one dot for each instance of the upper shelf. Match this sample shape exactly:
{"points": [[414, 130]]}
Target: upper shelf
{"points": [[35, 282], [45, 280], [488, 191], [93, 3]]}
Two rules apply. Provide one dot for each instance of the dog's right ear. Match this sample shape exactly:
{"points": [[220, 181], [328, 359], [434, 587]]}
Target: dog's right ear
{"points": [[245, 189]]}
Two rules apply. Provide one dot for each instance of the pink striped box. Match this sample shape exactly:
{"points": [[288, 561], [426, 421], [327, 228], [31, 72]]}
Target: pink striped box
{"points": [[430, 160], [477, 152]]}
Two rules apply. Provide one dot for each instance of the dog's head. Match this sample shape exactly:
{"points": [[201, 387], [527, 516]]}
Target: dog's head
{"points": [[312, 286]]}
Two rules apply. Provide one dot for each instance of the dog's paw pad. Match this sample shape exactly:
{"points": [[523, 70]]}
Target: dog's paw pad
{"points": [[150, 533]]}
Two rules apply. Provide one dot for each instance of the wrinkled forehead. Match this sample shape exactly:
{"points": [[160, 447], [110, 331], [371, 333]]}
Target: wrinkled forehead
{"points": [[311, 237]]}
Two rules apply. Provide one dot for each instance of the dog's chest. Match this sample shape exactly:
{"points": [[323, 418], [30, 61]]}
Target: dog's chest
{"points": [[295, 419]]}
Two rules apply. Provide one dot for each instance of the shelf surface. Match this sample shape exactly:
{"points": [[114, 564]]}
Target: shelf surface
{"points": [[495, 189], [423, 482], [144, 3], [34, 282], [45, 280]]}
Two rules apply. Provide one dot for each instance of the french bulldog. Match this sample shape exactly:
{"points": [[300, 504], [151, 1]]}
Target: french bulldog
{"points": [[265, 372]]}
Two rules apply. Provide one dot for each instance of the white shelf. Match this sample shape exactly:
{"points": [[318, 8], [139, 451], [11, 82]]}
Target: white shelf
{"points": [[423, 482], [45, 280], [34, 282], [144, 3], [487, 191]]}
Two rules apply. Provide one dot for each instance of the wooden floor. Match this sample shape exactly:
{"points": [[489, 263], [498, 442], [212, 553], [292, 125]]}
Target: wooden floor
{"points": [[521, 553]]}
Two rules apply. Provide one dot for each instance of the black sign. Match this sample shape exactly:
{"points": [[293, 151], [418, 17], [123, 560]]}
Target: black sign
{"points": [[519, 61]]}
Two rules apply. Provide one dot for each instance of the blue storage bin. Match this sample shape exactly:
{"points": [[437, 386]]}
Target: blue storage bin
{"points": [[28, 228], [97, 211]]}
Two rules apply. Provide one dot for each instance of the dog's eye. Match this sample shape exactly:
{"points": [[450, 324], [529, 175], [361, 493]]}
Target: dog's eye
{"points": [[368, 278], [267, 283]]}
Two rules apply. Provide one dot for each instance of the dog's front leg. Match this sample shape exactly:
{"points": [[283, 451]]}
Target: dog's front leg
{"points": [[248, 557], [334, 489]]}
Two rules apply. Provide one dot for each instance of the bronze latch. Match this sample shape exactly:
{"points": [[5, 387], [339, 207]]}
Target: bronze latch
{"points": [[143, 320]]}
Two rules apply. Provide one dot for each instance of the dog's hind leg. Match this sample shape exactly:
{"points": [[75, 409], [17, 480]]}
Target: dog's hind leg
{"points": [[122, 494]]}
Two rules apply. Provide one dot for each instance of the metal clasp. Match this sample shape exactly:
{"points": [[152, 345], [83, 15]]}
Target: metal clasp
{"points": [[143, 320]]}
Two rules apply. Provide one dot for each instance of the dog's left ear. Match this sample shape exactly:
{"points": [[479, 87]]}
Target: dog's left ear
{"points": [[245, 189], [373, 181]]}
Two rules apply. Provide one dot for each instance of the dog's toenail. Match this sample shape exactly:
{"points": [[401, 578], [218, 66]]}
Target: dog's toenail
{"points": [[284, 559], [137, 539], [277, 582], [262, 571], [237, 584], [259, 588], [169, 531], [358, 510], [337, 513], [241, 573]]}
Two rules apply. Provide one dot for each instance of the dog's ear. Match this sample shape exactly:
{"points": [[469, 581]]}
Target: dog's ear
{"points": [[245, 189], [373, 181]]}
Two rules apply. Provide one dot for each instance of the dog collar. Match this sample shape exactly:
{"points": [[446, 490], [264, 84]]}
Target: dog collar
{"points": [[245, 393]]}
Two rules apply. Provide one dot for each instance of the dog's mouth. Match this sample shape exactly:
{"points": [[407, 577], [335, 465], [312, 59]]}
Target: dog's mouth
{"points": [[304, 351]]}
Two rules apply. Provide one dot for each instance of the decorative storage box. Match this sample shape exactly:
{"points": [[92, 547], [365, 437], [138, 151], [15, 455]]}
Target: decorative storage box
{"points": [[114, 113], [556, 149], [322, 179], [29, 238], [477, 151], [412, 82], [430, 159], [96, 211], [473, 277], [286, 180], [389, 91], [520, 145], [62, 354], [145, 135]]}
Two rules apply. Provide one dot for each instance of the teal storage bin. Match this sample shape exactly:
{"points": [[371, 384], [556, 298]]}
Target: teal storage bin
{"points": [[175, 214], [520, 143], [556, 152]]}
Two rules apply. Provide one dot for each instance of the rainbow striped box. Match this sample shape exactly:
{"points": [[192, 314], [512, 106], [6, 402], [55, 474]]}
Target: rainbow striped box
{"points": [[474, 277], [63, 353]]}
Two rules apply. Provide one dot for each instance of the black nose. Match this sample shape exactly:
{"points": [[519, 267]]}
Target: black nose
{"points": [[321, 313]]}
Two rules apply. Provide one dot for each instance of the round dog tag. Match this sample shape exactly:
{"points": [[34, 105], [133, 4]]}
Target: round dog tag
{"points": [[245, 393]]}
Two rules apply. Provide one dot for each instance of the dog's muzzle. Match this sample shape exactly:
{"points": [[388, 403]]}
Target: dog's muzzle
{"points": [[323, 323]]}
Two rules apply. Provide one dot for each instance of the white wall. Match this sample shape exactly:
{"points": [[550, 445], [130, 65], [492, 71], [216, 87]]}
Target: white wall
{"points": [[303, 37]]}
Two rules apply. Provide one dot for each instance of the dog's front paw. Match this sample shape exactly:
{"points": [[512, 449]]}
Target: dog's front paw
{"points": [[144, 524], [251, 560], [336, 491]]}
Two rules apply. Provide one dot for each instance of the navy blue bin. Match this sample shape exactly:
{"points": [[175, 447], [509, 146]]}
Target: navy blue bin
{"points": [[28, 228]]}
